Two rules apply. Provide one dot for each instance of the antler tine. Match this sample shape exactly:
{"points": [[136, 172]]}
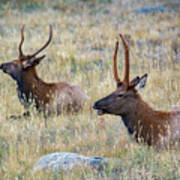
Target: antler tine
{"points": [[126, 54], [46, 44], [116, 77], [21, 42]]}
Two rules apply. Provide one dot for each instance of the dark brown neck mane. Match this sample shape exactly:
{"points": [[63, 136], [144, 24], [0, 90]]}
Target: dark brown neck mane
{"points": [[145, 123], [34, 87]]}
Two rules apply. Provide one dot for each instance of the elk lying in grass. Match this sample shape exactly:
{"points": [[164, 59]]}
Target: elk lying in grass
{"points": [[48, 97], [158, 128]]}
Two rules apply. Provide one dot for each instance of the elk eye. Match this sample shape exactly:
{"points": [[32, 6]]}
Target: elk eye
{"points": [[120, 95]]}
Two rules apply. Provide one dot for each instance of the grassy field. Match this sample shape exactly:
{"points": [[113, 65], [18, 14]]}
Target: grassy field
{"points": [[84, 35]]}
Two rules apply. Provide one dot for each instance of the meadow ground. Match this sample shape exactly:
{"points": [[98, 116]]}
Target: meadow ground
{"points": [[84, 35]]}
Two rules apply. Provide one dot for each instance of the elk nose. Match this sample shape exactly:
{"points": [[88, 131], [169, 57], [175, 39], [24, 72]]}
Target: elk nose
{"points": [[1, 66], [95, 105]]}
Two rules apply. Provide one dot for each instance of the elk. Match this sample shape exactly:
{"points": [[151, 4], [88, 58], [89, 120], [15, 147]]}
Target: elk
{"points": [[146, 125], [47, 97]]}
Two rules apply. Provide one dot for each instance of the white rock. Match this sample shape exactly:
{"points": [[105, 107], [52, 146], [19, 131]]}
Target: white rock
{"points": [[62, 161]]}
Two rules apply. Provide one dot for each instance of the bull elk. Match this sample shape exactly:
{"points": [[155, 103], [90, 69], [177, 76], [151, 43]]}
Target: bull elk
{"points": [[47, 97], [152, 127]]}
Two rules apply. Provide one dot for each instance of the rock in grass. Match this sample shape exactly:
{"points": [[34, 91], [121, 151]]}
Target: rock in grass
{"points": [[64, 161], [154, 9], [176, 108]]}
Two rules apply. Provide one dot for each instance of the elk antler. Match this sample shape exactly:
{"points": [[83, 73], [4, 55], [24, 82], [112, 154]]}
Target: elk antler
{"points": [[21, 42], [116, 77], [46, 44], [126, 54]]}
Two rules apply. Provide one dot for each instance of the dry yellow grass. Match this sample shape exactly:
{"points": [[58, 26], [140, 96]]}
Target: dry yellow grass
{"points": [[81, 53]]}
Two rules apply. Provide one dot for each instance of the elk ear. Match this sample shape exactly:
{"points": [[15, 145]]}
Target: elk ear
{"points": [[135, 80], [140, 82], [32, 61]]}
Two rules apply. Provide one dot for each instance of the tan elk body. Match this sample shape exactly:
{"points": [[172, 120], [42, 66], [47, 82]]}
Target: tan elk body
{"points": [[48, 97], [158, 128]]}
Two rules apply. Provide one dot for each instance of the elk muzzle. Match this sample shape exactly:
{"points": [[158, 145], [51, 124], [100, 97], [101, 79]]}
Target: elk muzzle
{"points": [[104, 105], [8, 67], [4, 67], [99, 111], [12, 69], [1, 66]]}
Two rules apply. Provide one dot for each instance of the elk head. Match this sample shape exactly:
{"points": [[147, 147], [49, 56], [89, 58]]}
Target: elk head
{"points": [[23, 63], [125, 98]]}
